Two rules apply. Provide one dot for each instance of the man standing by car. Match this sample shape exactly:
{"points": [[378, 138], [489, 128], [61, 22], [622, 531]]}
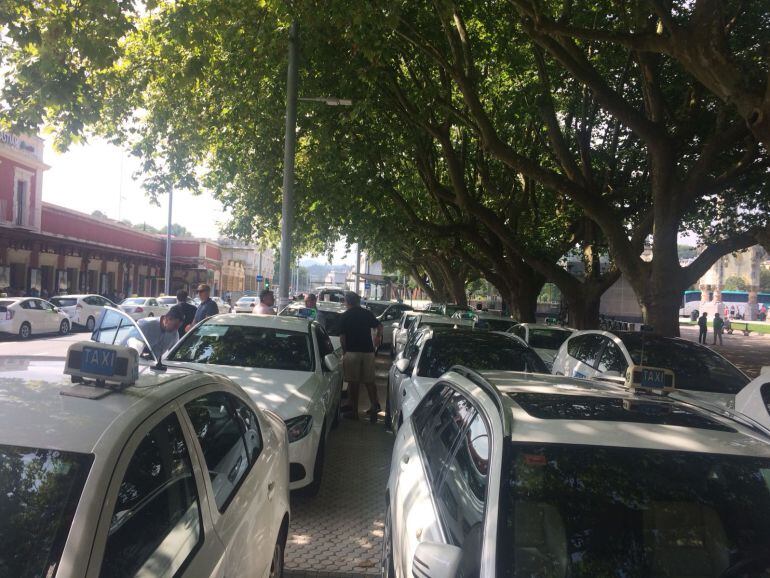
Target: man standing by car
{"points": [[266, 302], [356, 326], [162, 332], [311, 302], [188, 309], [207, 308], [703, 325]]}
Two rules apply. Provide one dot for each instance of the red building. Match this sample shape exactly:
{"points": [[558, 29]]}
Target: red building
{"points": [[45, 248]]}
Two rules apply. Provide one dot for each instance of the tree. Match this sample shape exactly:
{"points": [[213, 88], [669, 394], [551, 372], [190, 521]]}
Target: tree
{"points": [[735, 284]]}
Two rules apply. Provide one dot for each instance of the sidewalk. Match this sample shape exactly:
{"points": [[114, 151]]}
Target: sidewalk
{"points": [[338, 533], [749, 353]]}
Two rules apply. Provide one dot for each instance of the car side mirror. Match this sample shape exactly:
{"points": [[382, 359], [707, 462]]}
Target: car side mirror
{"points": [[436, 560], [331, 361], [395, 325], [402, 365]]}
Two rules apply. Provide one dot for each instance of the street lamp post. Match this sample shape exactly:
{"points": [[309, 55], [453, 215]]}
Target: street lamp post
{"points": [[167, 284], [289, 151]]}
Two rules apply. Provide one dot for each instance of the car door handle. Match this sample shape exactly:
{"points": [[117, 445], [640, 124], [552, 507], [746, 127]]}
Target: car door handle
{"points": [[234, 472]]}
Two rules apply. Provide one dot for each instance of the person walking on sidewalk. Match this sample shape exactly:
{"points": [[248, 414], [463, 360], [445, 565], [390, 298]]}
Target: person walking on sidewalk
{"points": [[704, 327], [358, 349], [719, 325]]}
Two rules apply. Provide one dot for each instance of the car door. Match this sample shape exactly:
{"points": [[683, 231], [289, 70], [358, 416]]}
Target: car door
{"points": [[155, 520], [155, 307], [332, 379], [241, 479], [425, 447], [50, 315]]}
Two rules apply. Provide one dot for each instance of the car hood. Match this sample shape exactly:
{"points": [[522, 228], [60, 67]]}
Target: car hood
{"points": [[286, 393]]}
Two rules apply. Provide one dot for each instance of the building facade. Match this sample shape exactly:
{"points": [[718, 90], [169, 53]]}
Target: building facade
{"points": [[46, 249]]}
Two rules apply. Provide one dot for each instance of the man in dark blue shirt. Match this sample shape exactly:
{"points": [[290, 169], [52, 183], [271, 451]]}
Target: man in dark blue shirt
{"points": [[207, 308]]}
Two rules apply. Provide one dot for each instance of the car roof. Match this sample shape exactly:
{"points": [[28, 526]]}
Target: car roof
{"points": [[556, 409], [545, 326], [75, 295], [443, 319], [285, 322], [243, 297], [36, 414], [321, 306]]}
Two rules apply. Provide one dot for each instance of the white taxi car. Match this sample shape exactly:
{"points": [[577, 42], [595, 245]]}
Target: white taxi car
{"points": [[435, 349], [545, 339], [702, 375], [27, 316], [141, 307], [245, 304], [121, 470], [83, 310], [287, 365], [495, 475]]}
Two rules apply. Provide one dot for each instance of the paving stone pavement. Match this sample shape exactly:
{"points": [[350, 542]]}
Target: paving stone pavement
{"points": [[749, 353], [338, 533]]}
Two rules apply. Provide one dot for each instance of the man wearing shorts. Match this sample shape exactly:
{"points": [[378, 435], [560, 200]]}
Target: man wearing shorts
{"points": [[356, 326]]}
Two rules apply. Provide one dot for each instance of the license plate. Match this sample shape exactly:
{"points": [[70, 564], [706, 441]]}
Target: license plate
{"points": [[98, 361], [655, 378]]}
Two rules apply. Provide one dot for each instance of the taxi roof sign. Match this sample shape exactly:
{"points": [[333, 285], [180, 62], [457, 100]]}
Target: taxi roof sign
{"points": [[102, 363], [649, 378]]}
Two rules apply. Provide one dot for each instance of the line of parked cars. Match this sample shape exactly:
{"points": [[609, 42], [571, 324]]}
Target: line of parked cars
{"points": [[542, 451]]}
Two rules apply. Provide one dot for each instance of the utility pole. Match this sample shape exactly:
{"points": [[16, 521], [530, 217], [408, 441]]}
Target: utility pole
{"points": [[290, 143], [167, 285], [358, 267]]}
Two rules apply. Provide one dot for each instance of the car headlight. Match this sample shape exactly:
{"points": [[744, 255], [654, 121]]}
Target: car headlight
{"points": [[299, 427]]}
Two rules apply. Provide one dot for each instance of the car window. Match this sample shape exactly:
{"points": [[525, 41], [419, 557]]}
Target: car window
{"points": [[133, 301], [115, 328], [156, 524], [612, 359], [519, 331], [585, 511], [479, 351], [64, 301], [407, 321], [221, 439], [325, 346], [152, 303], [573, 345], [40, 490], [249, 427], [461, 499], [45, 305], [590, 348], [541, 338], [246, 346], [440, 429], [695, 367], [89, 300]]}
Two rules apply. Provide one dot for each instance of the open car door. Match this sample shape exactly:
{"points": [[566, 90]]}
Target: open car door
{"points": [[754, 399]]}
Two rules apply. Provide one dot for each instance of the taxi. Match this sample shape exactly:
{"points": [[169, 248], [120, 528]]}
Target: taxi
{"points": [[114, 468], [502, 474]]}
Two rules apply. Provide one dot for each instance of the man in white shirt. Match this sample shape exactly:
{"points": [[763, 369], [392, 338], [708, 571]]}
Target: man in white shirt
{"points": [[266, 302]]}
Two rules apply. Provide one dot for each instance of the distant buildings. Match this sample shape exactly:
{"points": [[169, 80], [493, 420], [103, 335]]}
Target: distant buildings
{"points": [[46, 249]]}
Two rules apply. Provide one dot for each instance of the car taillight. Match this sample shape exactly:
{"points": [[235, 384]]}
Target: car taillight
{"points": [[8, 314], [139, 310]]}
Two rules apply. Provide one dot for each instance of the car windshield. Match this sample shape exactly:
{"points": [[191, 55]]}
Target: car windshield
{"points": [[376, 308], [246, 299], [695, 368], [541, 338], [478, 351], [6, 303], [40, 490], [64, 301], [167, 300], [133, 301], [246, 346], [586, 511], [494, 324]]}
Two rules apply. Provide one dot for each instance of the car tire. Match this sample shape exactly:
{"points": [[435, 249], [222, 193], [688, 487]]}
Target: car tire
{"points": [[276, 566], [64, 327], [25, 330], [90, 324], [151, 315], [318, 467], [387, 569]]}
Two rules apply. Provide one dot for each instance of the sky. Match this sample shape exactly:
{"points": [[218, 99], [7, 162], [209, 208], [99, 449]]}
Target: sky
{"points": [[98, 176]]}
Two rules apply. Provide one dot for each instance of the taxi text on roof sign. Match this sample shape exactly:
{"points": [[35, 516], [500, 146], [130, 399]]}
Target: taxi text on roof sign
{"points": [[650, 378], [102, 363]]}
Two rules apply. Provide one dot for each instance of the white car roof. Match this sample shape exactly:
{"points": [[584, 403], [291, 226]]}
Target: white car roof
{"points": [[544, 326], [285, 322], [426, 318], [75, 296], [541, 408], [321, 306], [36, 414]]}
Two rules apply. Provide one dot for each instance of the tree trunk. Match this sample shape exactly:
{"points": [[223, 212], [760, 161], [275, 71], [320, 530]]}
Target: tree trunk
{"points": [[521, 297], [660, 309], [583, 308]]}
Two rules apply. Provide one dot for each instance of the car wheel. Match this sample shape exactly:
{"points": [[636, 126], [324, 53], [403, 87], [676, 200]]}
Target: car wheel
{"points": [[90, 324], [276, 566], [25, 330], [151, 315], [318, 467], [386, 562], [64, 327]]}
